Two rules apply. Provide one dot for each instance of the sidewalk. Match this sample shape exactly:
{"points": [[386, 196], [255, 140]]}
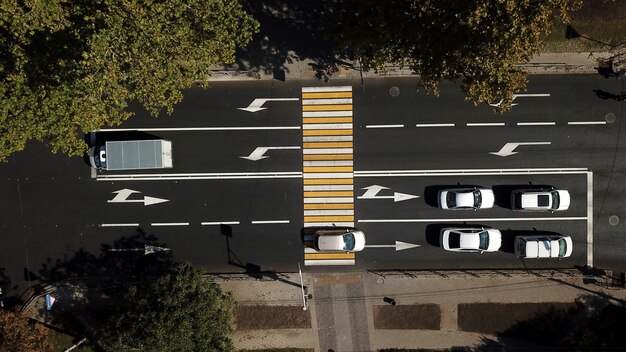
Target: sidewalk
{"points": [[544, 63], [347, 311]]}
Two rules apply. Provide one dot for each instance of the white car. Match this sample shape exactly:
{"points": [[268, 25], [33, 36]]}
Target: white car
{"points": [[341, 239], [543, 246], [470, 239], [540, 200], [466, 198]]}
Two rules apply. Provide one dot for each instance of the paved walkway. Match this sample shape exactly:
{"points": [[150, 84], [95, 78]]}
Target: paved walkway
{"points": [[341, 306], [545, 63]]}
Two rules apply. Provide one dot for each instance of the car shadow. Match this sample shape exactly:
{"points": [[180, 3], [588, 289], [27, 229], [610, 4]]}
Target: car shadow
{"points": [[502, 193], [431, 192]]}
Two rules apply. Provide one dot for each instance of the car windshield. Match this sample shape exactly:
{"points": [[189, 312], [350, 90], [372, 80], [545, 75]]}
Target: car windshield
{"points": [[454, 240], [555, 200], [477, 198], [484, 240], [348, 242], [451, 199], [562, 247]]}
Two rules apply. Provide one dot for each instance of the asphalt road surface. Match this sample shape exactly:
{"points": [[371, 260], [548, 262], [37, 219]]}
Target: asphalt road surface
{"points": [[227, 213]]}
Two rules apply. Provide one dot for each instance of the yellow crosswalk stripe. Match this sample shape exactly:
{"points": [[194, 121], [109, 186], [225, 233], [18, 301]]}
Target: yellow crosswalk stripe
{"points": [[328, 181], [328, 157], [328, 218], [327, 95], [326, 119], [316, 194], [329, 256], [328, 169], [327, 145], [329, 206], [327, 132], [327, 107]]}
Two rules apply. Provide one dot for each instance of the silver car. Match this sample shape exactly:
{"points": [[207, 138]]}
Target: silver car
{"points": [[480, 239], [466, 198], [341, 239], [540, 199]]}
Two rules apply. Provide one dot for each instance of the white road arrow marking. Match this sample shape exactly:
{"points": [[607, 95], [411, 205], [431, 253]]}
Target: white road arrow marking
{"points": [[123, 194], [257, 104], [372, 193], [521, 96], [257, 154], [399, 245], [509, 148]]}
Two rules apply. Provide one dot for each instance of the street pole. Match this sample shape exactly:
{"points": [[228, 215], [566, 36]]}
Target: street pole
{"points": [[304, 304]]}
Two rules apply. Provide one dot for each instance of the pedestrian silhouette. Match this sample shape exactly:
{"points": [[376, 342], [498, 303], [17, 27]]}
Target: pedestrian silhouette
{"points": [[389, 300]]}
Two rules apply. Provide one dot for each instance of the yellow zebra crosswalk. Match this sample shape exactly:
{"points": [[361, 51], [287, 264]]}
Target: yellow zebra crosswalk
{"points": [[328, 165]]}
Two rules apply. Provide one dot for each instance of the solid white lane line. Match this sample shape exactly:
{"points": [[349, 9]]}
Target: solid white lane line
{"points": [[470, 171], [587, 123], [327, 212], [119, 225], [384, 126], [590, 219], [170, 224], [419, 174], [345, 113], [326, 126], [485, 124], [326, 139], [329, 200], [327, 151], [328, 163], [260, 222], [199, 176], [328, 188], [571, 218], [466, 172], [325, 224], [328, 175], [434, 125], [207, 223], [200, 129], [327, 89], [536, 123], [331, 101]]}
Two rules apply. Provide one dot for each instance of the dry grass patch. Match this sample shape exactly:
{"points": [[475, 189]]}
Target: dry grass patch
{"points": [[415, 316], [272, 317], [491, 318]]}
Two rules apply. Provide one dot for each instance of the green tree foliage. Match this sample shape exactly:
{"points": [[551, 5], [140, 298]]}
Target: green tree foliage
{"points": [[183, 311], [71, 66], [479, 42], [18, 334]]}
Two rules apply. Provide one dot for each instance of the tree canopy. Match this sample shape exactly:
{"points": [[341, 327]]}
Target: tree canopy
{"points": [[480, 42], [183, 311], [18, 334], [70, 66]]}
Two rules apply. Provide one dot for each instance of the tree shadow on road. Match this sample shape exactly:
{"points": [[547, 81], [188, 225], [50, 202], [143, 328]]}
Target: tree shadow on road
{"points": [[125, 258]]}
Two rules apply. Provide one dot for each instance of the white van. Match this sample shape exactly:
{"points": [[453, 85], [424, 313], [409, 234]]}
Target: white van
{"points": [[543, 246]]}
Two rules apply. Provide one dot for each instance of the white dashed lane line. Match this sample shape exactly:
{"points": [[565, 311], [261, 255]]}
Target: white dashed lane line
{"points": [[384, 126]]}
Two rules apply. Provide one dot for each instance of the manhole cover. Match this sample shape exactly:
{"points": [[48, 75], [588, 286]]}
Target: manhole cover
{"points": [[394, 91], [610, 117], [614, 220]]}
